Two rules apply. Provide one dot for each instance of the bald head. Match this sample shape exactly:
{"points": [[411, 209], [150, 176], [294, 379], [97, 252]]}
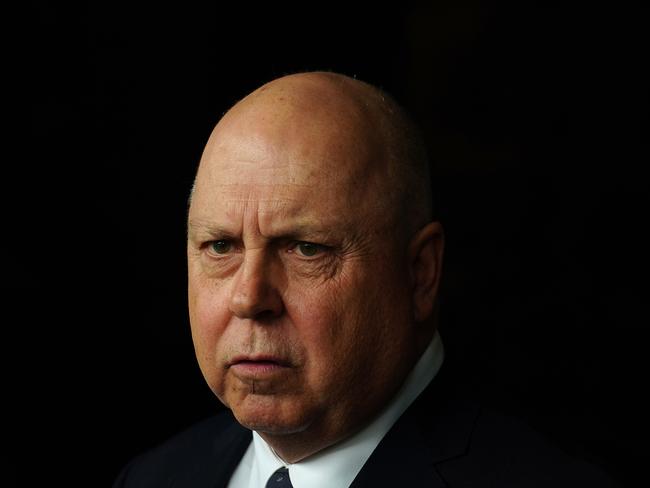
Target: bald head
{"points": [[354, 130]]}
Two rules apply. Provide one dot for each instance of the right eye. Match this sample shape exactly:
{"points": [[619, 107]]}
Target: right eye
{"points": [[221, 246]]}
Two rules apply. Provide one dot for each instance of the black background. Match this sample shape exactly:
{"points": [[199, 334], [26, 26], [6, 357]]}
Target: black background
{"points": [[536, 120]]}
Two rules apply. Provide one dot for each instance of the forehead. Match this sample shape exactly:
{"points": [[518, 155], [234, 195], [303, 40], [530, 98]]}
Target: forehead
{"points": [[254, 169], [289, 170], [280, 197]]}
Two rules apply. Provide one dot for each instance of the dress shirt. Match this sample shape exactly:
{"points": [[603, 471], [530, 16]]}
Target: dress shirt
{"points": [[339, 464]]}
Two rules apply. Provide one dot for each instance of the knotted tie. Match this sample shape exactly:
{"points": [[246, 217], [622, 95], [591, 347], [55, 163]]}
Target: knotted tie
{"points": [[279, 479]]}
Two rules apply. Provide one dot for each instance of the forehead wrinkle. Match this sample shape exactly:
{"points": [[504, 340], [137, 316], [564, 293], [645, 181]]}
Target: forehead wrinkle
{"points": [[271, 159], [259, 213], [236, 191], [269, 217], [205, 227], [268, 153]]}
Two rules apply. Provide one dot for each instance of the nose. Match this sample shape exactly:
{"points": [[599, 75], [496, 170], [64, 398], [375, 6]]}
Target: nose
{"points": [[254, 295]]}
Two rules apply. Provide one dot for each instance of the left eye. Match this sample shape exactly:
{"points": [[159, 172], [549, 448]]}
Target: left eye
{"points": [[308, 249], [221, 246]]}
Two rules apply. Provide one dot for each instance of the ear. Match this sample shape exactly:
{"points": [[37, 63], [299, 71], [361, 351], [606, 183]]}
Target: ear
{"points": [[425, 263]]}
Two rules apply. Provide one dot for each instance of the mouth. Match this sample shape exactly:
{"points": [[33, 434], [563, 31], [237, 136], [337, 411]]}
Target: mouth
{"points": [[259, 359], [258, 366]]}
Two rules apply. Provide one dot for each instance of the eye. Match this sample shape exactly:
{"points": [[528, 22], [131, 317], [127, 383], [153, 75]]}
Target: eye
{"points": [[308, 249], [220, 246]]}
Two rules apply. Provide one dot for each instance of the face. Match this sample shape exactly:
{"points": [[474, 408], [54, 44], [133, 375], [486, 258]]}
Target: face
{"points": [[299, 293]]}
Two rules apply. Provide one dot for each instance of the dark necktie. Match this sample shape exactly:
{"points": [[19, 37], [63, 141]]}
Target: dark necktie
{"points": [[279, 479]]}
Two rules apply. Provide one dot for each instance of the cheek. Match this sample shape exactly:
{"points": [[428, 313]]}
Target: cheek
{"points": [[352, 326], [208, 310], [314, 311], [325, 319]]}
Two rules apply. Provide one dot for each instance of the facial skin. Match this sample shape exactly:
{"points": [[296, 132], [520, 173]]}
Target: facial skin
{"points": [[308, 306]]}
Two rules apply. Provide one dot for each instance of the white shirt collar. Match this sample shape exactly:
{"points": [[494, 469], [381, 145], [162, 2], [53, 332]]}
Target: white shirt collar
{"points": [[339, 464]]}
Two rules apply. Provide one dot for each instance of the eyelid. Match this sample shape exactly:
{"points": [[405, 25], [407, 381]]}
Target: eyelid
{"points": [[207, 246], [321, 249], [207, 242], [236, 246]]}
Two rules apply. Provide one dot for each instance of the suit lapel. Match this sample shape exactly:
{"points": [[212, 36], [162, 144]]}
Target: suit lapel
{"points": [[401, 459], [435, 428]]}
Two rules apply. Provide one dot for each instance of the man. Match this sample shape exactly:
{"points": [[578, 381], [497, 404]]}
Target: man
{"points": [[314, 263]]}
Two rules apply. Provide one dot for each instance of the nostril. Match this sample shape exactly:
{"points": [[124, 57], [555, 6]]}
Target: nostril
{"points": [[262, 309], [266, 315]]}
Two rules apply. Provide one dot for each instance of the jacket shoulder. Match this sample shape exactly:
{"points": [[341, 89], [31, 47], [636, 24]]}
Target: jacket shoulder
{"points": [[190, 458], [509, 453]]}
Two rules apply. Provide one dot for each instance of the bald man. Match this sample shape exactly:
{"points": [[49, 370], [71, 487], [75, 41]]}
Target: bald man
{"points": [[314, 263]]}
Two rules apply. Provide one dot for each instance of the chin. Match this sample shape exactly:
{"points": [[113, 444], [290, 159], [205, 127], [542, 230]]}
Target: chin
{"points": [[270, 420], [274, 429]]}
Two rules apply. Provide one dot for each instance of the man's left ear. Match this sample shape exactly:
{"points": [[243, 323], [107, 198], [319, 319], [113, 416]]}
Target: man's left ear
{"points": [[425, 263]]}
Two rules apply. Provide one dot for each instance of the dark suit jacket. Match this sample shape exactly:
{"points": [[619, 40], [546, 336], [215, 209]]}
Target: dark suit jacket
{"points": [[444, 439]]}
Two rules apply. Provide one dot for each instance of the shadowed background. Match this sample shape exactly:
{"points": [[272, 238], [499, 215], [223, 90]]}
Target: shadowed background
{"points": [[535, 119]]}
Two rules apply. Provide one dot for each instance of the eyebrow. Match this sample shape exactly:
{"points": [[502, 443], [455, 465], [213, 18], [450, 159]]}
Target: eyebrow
{"points": [[298, 231], [200, 227]]}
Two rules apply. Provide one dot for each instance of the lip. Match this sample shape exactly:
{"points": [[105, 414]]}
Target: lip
{"points": [[258, 366], [259, 358]]}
